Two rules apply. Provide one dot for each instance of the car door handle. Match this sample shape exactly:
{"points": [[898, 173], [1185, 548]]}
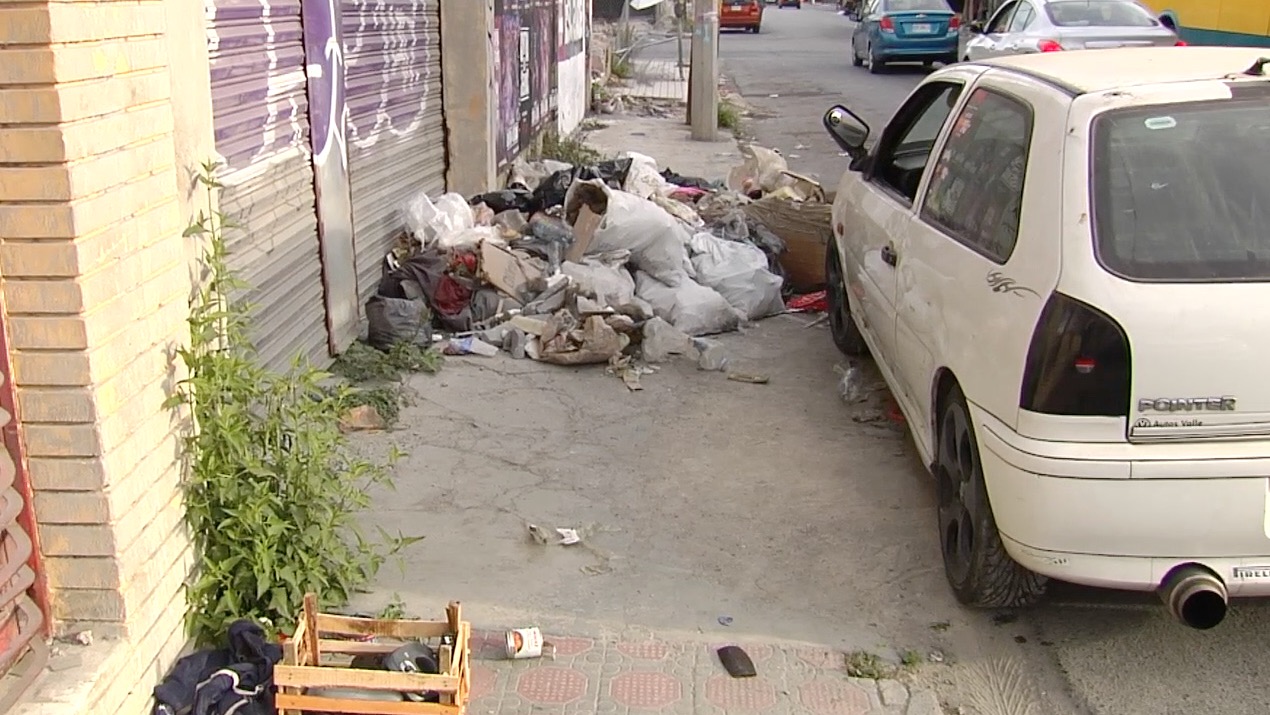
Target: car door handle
{"points": [[889, 256], [1012, 46]]}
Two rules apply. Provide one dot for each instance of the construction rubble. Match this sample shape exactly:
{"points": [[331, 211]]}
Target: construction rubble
{"points": [[619, 263]]}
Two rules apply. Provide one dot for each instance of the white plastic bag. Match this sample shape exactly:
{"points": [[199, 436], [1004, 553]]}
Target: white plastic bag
{"points": [[643, 179], [738, 271], [763, 170], [428, 221], [603, 277], [657, 241], [468, 238], [688, 305]]}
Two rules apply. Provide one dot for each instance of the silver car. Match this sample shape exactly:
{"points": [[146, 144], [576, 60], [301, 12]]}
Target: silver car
{"points": [[1027, 26]]}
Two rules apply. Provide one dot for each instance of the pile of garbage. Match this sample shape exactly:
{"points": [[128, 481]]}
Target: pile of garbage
{"points": [[576, 265]]}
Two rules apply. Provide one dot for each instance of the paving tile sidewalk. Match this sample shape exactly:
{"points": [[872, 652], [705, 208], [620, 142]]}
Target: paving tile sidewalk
{"points": [[656, 79], [608, 675]]}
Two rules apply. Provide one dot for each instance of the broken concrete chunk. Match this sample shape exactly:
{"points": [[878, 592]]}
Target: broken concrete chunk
{"points": [[532, 326]]}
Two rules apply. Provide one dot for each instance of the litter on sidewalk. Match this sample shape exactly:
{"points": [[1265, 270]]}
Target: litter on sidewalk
{"points": [[621, 263]]}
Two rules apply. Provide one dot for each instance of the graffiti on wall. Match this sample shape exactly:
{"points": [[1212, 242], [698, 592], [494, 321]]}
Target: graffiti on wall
{"points": [[257, 75], [525, 54], [389, 46]]}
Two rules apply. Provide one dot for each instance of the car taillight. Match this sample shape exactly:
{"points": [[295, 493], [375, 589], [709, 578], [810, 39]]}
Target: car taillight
{"points": [[1078, 363], [887, 24], [1049, 46], [1180, 43], [954, 23]]}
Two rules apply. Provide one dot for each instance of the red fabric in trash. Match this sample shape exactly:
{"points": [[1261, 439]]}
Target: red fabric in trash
{"points": [[812, 302]]}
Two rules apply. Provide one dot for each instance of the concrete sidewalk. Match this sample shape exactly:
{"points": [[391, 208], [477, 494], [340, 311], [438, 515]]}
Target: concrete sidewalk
{"points": [[599, 675]]}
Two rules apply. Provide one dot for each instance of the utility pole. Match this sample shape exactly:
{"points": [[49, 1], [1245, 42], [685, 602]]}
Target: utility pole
{"points": [[703, 78]]}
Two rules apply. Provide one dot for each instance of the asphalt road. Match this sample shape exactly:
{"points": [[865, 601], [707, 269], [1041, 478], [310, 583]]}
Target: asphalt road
{"points": [[1112, 654]]}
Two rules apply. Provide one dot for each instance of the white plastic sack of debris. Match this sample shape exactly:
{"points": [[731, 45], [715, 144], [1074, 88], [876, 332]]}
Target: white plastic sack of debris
{"points": [[428, 221], [763, 170], [688, 305], [738, 271], [643, 179], [657, 241], [603, 277], [530, 174], [680, 210]]}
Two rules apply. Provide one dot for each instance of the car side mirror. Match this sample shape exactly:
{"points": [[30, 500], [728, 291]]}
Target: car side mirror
{"points": [[848, 130], [976, 27]]}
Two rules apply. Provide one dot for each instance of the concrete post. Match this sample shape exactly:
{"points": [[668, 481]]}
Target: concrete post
{"points": [[470, 95], [704, 76]]}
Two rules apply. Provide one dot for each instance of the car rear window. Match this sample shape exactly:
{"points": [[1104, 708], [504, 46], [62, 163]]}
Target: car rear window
{"points": [[1099, 13], [916, 6], [1182, 192]]}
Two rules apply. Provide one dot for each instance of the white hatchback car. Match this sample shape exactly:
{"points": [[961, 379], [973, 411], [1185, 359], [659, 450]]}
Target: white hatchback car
{"points": [[1061, 265]]}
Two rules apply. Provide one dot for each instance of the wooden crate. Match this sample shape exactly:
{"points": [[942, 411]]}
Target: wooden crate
{"points": [[311, 660]]}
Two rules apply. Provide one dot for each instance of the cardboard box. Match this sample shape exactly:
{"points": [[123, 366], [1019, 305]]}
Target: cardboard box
{"points": [[806, 228], [507, 272], [584, 228]]}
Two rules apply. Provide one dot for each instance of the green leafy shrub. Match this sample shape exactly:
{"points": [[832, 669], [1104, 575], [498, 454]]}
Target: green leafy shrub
{"points": [[272, 489]]}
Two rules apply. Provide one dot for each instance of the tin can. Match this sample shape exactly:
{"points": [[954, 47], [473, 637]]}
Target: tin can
{"points": [[524, 643]]}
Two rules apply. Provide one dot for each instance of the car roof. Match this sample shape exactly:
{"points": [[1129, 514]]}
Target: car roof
{"points": [[1088, 71]]}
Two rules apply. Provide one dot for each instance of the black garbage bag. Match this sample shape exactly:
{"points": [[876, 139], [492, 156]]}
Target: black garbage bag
{"points": [[449, 296], [398, 320], [551, 192], [690, 182], [518, 198], [235, 679], [613, 171]]}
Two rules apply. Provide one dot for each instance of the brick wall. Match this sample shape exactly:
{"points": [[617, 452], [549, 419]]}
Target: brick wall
{"points": [[95, 276]]}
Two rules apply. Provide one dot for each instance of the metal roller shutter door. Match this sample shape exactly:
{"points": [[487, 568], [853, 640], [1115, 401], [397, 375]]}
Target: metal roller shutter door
{"points": [[396, 128], [260, 117]]}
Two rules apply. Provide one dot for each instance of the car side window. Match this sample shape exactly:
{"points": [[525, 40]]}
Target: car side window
{"points": [[1002, 19], [1023, 18], [905, 146], [976, 191]]}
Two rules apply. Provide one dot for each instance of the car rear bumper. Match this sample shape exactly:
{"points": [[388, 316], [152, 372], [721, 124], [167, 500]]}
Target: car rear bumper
{"points": [[937, 48], [1069, 519]]}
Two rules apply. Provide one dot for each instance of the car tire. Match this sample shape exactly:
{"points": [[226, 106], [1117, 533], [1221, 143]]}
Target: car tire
{"points": [[756, 29], [856, 59], [980, 572], [846, 334], [876, 66]]}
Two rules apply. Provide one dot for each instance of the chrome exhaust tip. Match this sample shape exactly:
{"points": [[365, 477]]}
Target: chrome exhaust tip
{"points": [[1195, 596]]}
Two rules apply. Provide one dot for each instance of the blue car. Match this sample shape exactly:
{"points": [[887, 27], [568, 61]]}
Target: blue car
{"points": [[887, 31]]}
